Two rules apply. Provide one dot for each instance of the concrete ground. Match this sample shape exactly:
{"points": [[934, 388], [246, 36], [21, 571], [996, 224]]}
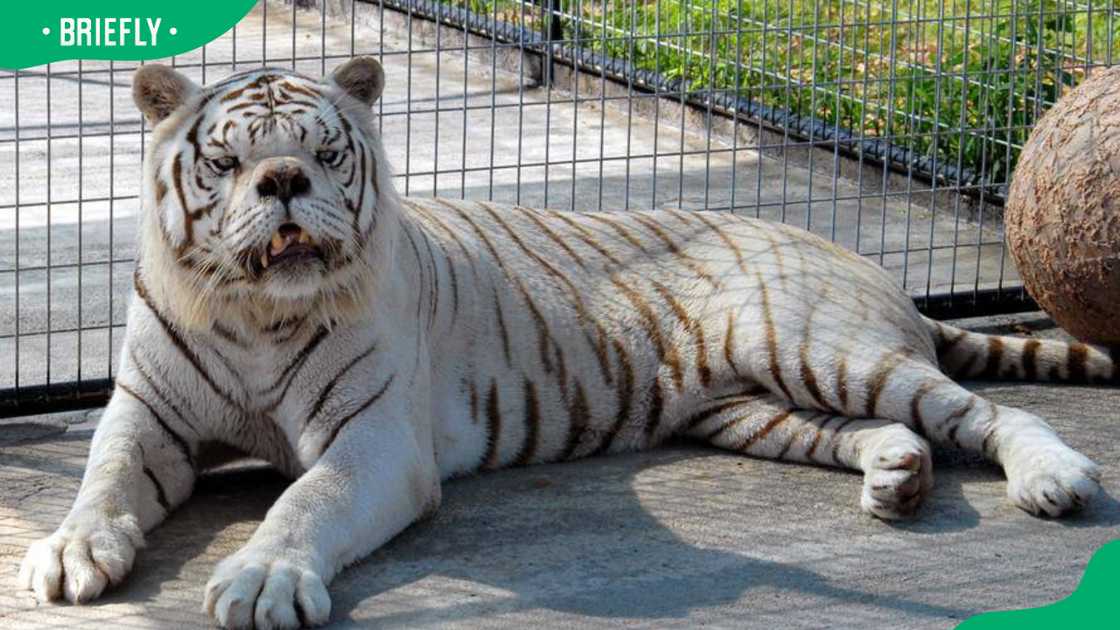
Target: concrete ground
{"points": [[679, 537]]}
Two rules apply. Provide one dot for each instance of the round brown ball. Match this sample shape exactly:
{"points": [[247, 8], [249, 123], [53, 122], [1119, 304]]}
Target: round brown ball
{"points": [[1062, 216]]}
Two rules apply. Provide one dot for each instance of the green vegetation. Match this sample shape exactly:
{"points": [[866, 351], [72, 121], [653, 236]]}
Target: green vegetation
{"points": [[961, 81]]}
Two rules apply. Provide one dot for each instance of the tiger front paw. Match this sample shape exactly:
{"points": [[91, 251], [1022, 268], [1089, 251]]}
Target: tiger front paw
{"points": [[1051, 479], [82, 558], [263, 589]]}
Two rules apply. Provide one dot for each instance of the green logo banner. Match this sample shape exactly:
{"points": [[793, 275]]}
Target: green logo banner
{"points": [[34, 33], [1092, 605]]}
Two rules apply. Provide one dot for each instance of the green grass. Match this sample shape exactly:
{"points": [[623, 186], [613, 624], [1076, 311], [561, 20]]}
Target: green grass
{"points": [[961, 81]]}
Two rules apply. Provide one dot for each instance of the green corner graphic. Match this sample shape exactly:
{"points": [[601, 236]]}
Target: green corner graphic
{"points": [[34, 33], [1092, 605]]}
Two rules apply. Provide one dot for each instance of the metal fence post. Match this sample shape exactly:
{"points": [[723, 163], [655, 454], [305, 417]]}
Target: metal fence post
{"points": [[552, 30]]}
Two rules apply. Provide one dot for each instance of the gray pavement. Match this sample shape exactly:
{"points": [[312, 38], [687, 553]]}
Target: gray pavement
{"points": [[678, 537]]}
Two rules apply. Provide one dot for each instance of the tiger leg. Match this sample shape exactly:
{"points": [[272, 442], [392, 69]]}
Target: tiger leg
{"points": [[1045, 476], [898, 472], [140, 467]]}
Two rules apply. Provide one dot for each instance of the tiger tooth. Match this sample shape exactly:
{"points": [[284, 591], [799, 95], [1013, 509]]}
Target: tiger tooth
{"points": [[278, 242], [264, 261], [304, 237]]}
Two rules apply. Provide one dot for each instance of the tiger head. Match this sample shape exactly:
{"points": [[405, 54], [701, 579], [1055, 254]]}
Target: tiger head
{"points": [[268, 189]]}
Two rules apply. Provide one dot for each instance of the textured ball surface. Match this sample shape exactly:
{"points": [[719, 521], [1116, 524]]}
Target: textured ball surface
{"points": [[1062, 216]]}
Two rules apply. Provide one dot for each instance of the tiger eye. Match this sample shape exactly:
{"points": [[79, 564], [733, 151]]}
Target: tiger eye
{"points": [[224, 163]]}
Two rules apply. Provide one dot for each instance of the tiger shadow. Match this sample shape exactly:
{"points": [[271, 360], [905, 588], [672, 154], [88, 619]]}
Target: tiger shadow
{"points": [[607, 538], [580, 539], [610, 539]]}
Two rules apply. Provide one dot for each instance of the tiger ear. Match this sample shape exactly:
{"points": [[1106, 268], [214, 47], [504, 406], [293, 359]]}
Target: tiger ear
{"points": [[159, 90], [362, 78]]}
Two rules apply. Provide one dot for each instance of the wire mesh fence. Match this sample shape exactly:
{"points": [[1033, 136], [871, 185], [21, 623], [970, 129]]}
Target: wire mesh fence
{"points": [[888, 126]]}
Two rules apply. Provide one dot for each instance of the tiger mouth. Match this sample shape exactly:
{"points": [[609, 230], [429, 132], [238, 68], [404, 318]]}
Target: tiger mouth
{"points": [[290, 244]]}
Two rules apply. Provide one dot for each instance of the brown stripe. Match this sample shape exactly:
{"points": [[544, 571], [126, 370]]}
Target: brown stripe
{"points": [[473, 397], [621, 231], [842, 382], [956, 416], [544, 335], [1076, 357], [579, 418], [294, 366], [326, 391], [532, 425], [990, 431], [770, 425], [965, 371], [817, 438], [916, 419], [180, 343], [422, 268], [655, 408], [231, 370], [779, 259], [716, 433], [666, 353], [232, 94], [502, 331], [1030, 359], [434, 301], [809, 378], [725, 238], [161, 496], [308, 91], [994, 359], [695, 328], [161, 191], [373, 176], [586, 236], [729, 345], [454, 275], [180, 442], [835, 454], [163, 398], [241, 106], [494, 427], [176, 177], [698, 418], [772, 339], [797, 434], [362, 181], [342, 423], [946, 344], [427, 214], [624, 393], [293, 330], [228, 335], [480, 233], [553, 236], [675, 249], [878, 381], [582, 314]]}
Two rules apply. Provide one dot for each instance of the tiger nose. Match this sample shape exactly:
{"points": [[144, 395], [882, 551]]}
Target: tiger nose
{"points": [[283, 182]]}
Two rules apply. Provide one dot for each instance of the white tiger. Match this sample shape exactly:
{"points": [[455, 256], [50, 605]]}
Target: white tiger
{"points": [[289, 303]]}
